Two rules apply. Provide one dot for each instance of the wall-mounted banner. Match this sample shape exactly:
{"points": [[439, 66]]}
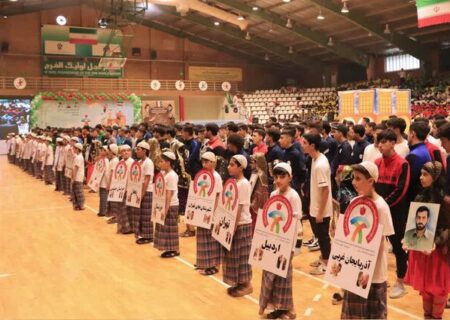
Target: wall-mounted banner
{"points": [[215, 74], [82, 42], [160, 112], [86, 69]]}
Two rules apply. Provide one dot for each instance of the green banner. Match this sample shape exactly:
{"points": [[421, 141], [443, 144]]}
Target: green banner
{"points": [[89, 69]]}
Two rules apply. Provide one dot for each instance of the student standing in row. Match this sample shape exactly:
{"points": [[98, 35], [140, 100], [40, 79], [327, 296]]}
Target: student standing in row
{"points": [[113, 207], [124, 218], [103, 191], [166, 236], [78, 178], [48, 162], [276, 290], [208, 249], [237, 272]]}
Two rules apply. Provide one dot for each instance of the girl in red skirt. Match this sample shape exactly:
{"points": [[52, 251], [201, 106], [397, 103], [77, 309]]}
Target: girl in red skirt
{"points": [[429, 272]]}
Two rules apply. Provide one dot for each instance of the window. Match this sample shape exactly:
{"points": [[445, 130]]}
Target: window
{"points": [[401, 61]]}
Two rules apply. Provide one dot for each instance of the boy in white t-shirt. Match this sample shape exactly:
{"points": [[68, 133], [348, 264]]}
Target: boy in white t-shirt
{"points": [[124, 218], [365, 175], [113, 207], [237, 272], [103, 191], [78, 178], [276, 290], [48, 161]]}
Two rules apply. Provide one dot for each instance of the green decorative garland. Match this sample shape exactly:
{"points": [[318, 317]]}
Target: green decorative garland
{"points": [[86, 98]]}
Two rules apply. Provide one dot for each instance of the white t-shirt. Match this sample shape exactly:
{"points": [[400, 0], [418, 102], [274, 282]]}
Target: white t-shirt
{"points": [[433, 140], [149, 170], [402, 148], [62, 157], [380, 274], [42, 151], [294, 199], [371, 153], [218, 184], [171, 181], [320, 177], [49, 156], [105, 179], [245, 192], [79, 162], [68, 159]]}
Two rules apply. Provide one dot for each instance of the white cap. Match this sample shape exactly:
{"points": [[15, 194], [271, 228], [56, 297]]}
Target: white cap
{"points": [[209, 156], [284, 166], [114, 148], [170, 155], [144, 145], [241, 159], [124, 147], [79, 146], [67, 138], [48, 139], [370, 167], [59, 139], [74, 139]]}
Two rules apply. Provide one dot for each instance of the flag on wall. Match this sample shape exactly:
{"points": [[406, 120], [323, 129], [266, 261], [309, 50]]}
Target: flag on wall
{"points": [[83, 36], [432, 12], [59, 47]]}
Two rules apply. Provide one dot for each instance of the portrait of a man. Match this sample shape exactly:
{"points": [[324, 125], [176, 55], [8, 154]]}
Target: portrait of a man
{"points": [[421, 237]]}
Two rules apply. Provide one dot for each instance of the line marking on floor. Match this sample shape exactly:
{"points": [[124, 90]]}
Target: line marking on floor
{"points": [[5, 275], [308, 312], [37, 209], [317, 297]]}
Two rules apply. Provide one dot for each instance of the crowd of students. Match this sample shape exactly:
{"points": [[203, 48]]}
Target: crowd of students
{"points": [[309, 163]]}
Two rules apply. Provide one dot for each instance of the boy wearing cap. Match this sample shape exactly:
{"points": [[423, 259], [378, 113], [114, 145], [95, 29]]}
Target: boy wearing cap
{"points": [[237, 272], [166, 236], [113, 151], [102, 191], [124, 218], [48, 162], [365, 175], [68, 163], [78, 178], [142, 217], [208, 249], [59, 155], [276, 290]]}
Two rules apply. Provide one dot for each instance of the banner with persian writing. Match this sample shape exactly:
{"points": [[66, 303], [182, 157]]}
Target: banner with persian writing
{"points": [[84, 69]]}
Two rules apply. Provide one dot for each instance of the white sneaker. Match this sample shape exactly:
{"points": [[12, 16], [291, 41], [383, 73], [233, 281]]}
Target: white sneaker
{"points": [[319, 270], [398, 291], [315, 263], [314, 246]]}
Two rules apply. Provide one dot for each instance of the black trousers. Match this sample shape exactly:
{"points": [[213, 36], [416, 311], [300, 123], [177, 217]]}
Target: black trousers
{"points": [[322, 232], [399, 219]]}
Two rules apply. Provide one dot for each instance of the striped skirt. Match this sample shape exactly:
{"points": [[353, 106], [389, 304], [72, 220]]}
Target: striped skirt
{"points": [[374, 307], [59, 181], [209, 251], [77, 194], [39, 170], [142, 218], [236, 269], [67, 185], [48, 173], [276, 290], [182, 199], [115, 208], [124, 218], [166, 236], [103, 204]]}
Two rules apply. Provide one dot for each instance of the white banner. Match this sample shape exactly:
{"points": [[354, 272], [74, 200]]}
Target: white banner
{"points": [[355, 248], [105, 50], [159, 200], [226, 214], [97, 175], [134, 186], [275, 234], [118, 182], [201, 200], [77, 114]]}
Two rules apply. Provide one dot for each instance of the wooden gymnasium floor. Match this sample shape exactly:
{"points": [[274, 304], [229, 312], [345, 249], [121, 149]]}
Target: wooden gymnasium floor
{"points": [[60, 264]]}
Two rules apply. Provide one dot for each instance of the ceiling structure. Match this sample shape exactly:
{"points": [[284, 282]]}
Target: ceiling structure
{"points": [[282, 34]]}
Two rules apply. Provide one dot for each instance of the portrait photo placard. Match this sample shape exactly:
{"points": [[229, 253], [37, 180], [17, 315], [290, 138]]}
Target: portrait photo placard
{"points": [[421, 226], [134, 185], [159, 200], [97, 175], [118, 182]]}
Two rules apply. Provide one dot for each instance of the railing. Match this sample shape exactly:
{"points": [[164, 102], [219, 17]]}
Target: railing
{"points": [[96, 84]]}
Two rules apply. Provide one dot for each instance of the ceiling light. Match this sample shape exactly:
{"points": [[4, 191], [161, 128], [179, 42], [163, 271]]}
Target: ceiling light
{"points": [[320, 16], [247, 36], [286, 1], [289, 24], [240, 18], [266, 57], [330, 41], [61, 20], [5, 17], [12, 0], [255, 8], [216, 23], [386, 29], [291, 50], [344, 7]]}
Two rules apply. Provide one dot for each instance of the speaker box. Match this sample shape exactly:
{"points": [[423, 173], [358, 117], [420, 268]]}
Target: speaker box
{"points": [[136, 52], [4, 47], [153, 54]]}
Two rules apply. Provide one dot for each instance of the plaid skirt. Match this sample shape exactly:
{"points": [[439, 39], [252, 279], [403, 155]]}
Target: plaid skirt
{"points": [[276, 290], [236, 269], [48, 172], [209, 251], [115, 208], [142, 218], [103, 203], [67, 185], [77, 194], [374, 307], [166, 236], [38, 169], [59, 181], [124, 218], [182, 199]]}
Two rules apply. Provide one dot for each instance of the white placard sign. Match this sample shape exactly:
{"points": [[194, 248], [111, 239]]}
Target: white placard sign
{"points": [[274, 237], [201, 200], [421, 226], [155, 85], [118, 182], [159, 200], [203, 85], [20, 83], [355, 248], [179, 85], [226, 86], [134, 186], [97, 174], [224, 222]]}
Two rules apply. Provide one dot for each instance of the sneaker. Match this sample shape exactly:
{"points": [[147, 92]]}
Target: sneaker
{"points": [[314, 246], [315, 263], [318, 271], [337, 299], [309, 242], [398, 291]]}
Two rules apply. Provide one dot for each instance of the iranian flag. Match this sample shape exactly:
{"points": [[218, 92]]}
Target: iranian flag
{"points": [[83, 36], [432, 12]]}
